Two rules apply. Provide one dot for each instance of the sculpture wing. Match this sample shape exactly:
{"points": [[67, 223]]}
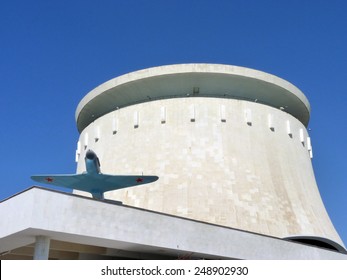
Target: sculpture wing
{"points": [[96, 184], [67, 180]]}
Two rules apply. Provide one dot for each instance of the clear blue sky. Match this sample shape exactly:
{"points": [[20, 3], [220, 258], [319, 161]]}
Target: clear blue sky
{"points": [[54, 52]]}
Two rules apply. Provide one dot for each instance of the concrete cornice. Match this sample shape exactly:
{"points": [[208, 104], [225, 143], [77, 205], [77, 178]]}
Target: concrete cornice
{"points": [[182, 80]]}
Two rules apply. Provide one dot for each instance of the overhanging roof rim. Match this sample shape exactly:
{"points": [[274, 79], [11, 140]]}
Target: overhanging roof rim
{"points": [[176, 69]]}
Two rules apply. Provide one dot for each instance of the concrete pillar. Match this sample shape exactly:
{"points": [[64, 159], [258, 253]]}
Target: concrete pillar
{"points": [[41, 251]]}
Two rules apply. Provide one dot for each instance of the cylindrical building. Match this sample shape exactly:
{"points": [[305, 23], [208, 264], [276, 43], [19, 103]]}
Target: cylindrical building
{"points": [[228, 143]]}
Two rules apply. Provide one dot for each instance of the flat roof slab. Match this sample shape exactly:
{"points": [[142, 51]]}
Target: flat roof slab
{"points": [[72, 218]]}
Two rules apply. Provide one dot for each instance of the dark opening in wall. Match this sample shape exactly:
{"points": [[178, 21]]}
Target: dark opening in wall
{"points": [[318, 242]]}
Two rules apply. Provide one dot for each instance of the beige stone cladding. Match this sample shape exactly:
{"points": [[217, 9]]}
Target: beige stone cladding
{"points": [[224, 161]]}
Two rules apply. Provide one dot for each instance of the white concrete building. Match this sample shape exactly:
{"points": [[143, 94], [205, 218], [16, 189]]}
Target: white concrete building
{"points": [[233, 156]]}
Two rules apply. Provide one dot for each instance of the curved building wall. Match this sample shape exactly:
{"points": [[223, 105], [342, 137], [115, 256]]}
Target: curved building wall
{"points": [[225, 161]]}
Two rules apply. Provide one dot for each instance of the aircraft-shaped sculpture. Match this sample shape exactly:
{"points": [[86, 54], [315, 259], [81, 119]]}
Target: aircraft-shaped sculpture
{"points": [[93, 181]]}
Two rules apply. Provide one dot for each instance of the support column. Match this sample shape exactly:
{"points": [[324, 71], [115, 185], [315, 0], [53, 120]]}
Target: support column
{"points": [[41, 251]]}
